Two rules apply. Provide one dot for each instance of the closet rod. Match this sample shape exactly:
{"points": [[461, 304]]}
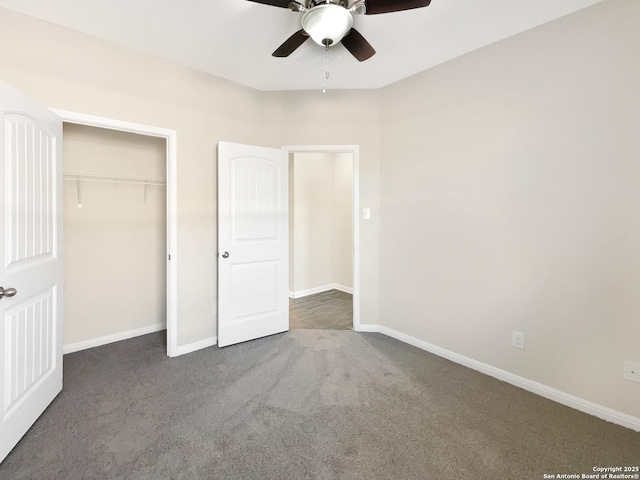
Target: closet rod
{"points": [[99, 177]]}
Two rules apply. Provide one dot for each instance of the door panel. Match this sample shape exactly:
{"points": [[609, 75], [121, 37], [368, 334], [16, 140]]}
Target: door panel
{"points": [[30, 222], [31, 249], [253, 228], [253, 197], [29, 325], [259, 295]]}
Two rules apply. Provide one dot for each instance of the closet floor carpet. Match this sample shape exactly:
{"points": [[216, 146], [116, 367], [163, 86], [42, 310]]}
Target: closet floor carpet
{"points": [[307, 404]]}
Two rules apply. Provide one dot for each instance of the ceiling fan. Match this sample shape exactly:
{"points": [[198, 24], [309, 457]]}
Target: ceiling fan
{"points": [[329, 22]]}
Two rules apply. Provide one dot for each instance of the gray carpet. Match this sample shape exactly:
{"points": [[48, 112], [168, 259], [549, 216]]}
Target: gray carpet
{"points": [[306, 404], [331, 310]]}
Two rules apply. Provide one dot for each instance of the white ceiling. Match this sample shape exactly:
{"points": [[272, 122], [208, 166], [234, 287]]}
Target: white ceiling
{"points": [[234, 39]]}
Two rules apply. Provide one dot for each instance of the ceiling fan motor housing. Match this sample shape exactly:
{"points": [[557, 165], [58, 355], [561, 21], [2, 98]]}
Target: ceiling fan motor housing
{"points": [[327, 21]]}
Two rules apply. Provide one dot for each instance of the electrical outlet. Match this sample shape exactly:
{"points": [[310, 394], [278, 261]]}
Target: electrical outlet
{"points": [[518, 340], [366, 213], [632, 371]]}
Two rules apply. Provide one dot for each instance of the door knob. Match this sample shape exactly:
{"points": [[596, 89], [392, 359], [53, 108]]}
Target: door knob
{"points": [[9, 292], [225, 254]]}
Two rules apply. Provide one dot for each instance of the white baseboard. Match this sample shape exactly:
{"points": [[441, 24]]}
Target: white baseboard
{"points": [[116, 337], [199, 345], [368, 328], [569, 400], [321, 289], [342, 288]]}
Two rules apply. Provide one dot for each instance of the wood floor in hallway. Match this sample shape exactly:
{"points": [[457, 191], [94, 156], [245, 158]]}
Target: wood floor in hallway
{"points": [[332, 310]]}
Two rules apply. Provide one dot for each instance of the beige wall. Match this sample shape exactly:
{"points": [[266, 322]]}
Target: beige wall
{"points": [[508, 179], [71, 71], [321, 249], [510, 194], [115, 246], [343, 219]]}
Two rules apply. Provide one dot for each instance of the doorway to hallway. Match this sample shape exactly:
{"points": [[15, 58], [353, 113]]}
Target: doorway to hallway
{"points": [[321, 243]]}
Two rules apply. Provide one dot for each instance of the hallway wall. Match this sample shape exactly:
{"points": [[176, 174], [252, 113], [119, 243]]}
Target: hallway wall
{"points": [[322, 225]]}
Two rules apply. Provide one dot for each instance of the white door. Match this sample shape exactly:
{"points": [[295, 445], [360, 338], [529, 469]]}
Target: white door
{"points": [[253, 242], [30, 263]]}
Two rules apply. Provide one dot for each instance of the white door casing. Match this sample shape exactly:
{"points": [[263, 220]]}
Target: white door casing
{"points": [[31, 262], [253, 242], [171, 139]]}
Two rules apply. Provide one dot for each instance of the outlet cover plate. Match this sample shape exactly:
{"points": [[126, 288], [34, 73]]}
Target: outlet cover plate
{"points": [[632, 371], [518, 340]]}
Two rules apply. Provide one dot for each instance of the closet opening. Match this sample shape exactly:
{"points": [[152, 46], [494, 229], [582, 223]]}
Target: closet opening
{"points": [[119, 224]]}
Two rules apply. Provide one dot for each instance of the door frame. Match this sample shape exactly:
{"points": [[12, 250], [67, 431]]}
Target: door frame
{"points": [[354, 150], [170, 137]]}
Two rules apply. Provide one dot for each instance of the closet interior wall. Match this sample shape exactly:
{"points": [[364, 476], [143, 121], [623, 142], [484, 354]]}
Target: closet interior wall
{"points": [[115, 242]]}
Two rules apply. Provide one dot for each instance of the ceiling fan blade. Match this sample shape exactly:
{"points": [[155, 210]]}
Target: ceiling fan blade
{"points": [[358, 46], [387, 6], [273, 3], [291, 44]]}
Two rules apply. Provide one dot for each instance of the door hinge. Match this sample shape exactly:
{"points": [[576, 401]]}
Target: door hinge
{"points": [[169, 256]]}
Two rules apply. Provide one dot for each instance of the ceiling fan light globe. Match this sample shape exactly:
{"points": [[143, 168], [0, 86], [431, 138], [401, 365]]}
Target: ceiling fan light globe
{"points": [[327, 24]]}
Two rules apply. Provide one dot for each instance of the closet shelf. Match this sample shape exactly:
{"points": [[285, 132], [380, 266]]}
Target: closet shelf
{"points": [[80, 177], [99, 177]]}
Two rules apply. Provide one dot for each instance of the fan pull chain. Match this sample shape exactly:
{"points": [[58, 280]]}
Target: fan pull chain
{"points": [[325, 60]]}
